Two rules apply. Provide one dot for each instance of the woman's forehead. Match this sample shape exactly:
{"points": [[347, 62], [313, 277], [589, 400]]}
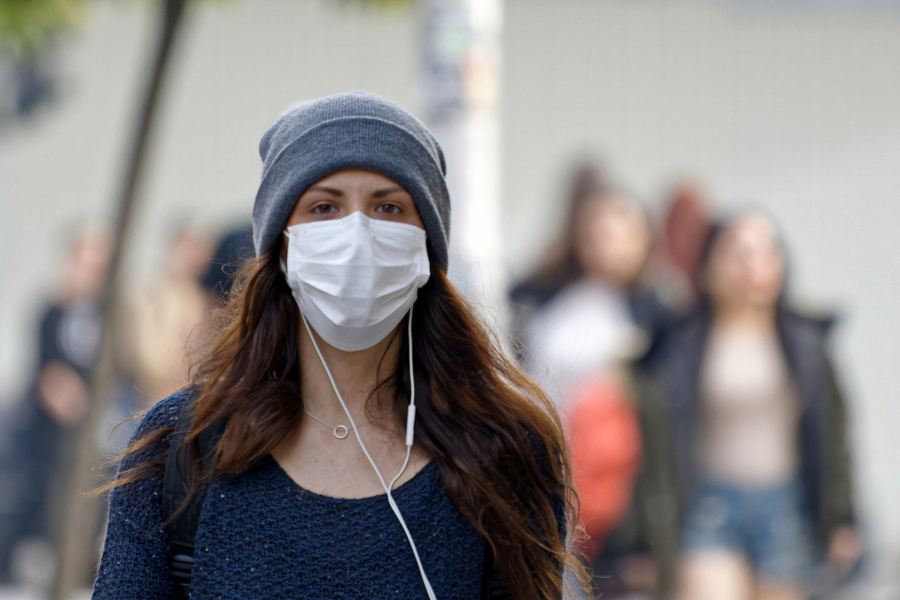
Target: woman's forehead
{"points": [[753, 228], [356, 178]]}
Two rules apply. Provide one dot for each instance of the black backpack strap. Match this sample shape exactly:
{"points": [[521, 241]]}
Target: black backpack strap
{"points": [[183, 528], [493, 584]]}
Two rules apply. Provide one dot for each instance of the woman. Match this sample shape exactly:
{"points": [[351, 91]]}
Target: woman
{"points": [[457, 462], [589, 306], [42, 426], [758, 430]]}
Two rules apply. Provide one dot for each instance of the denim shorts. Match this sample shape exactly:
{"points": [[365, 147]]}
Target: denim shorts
{"points": [[769, 527]]}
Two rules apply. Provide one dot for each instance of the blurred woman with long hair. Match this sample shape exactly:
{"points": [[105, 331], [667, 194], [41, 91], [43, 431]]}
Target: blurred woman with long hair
{"points": [[345, 325], [758, 429], [589, 303], [589, 307]]}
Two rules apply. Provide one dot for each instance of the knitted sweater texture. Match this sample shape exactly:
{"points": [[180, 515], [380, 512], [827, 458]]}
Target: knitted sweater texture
{"points": [[261, 535]]}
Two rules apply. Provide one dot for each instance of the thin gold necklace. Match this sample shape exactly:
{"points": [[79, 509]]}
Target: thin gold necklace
{"points": [[342, 431]]}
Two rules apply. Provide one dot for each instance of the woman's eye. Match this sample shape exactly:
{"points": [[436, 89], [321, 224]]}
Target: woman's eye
{"points": [[324, 209], [389, 209]]}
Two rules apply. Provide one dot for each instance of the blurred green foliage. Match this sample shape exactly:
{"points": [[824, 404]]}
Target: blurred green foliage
{"points": [[25, 25]]}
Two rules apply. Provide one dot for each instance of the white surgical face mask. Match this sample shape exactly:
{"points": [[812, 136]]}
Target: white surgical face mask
{"points": [[355, 278]]}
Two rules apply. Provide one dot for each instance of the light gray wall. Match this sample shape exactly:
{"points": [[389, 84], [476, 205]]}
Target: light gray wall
{"points": [[794, 111]]}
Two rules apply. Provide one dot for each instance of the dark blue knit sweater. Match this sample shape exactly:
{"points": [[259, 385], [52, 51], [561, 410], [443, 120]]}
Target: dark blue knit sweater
{"points": [[261, 536]]}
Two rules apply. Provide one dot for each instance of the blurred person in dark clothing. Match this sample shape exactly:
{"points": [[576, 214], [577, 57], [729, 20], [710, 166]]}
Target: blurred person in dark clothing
{"points": [[70, 331], [57, 400], [744, 410]]}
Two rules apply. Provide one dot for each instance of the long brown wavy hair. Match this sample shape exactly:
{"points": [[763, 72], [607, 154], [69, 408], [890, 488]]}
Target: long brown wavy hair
{"points": [[493, 433]]}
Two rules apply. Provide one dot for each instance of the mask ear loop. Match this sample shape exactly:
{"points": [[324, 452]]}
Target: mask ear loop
{"points": [[410, 422]]}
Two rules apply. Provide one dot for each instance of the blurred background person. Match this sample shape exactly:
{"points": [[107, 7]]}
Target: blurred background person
{"points": [[168, 318], [685, 225], [560, 264], [757, 424], [590, 306], [57, 399], [590, 302]]}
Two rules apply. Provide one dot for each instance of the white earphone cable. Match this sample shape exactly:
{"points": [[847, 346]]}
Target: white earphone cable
{"points": [[410, 421]]}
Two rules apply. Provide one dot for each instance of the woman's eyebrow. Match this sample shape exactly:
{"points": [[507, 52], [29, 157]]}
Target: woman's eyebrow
{"points": [[387, 191], [327, 190]]}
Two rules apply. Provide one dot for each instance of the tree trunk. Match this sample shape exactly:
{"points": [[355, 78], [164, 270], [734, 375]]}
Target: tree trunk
{"points": [[80, 514]]}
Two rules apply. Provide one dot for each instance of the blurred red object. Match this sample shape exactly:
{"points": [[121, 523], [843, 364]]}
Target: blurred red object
{"points": [[605, 439]]}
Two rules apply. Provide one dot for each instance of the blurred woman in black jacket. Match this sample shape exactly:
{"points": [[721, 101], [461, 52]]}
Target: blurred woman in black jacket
{"points": [[752, 436]]}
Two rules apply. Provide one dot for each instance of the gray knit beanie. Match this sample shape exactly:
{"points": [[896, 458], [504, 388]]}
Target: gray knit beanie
{"points": [[355, 130]]}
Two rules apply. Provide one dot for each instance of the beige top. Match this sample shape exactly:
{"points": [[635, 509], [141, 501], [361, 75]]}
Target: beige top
{"points": [[167, 331], [750, 411]]}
